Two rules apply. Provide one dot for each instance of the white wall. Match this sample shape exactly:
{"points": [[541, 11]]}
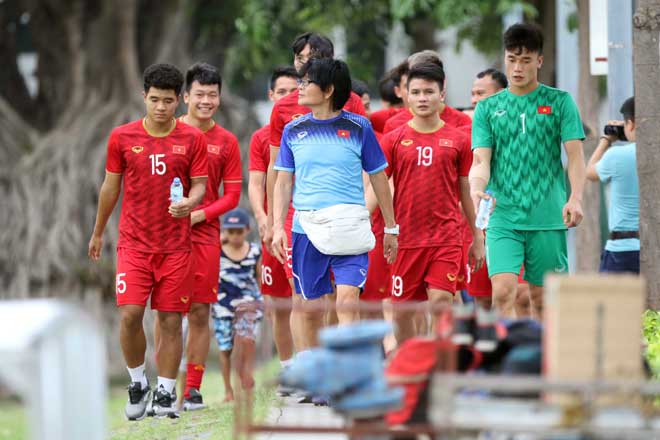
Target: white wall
{"points": [[460, 67]]}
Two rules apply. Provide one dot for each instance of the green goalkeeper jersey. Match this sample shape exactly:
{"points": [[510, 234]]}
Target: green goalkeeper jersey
{"points": [[525, 134]]}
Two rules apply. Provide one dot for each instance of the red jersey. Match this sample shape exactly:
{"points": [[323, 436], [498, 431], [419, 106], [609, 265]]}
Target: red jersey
{"points": [[260, 159], [287, 109], [224, 165], [426, 168], [260, 150], [451, 117], [149, 165], [379, 118]]}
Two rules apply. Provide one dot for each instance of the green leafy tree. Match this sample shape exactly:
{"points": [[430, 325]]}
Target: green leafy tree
{"points": [[267, 28]]}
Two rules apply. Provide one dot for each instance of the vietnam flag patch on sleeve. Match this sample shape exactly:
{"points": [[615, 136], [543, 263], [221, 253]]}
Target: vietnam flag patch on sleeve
{"points": [[344, 134], [544, 110], [178, 149]]}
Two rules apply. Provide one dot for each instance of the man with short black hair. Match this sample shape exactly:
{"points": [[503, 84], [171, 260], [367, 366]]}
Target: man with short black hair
{"points": [[202, 96], [516, 139], [154, 247], [391, 102], [487, 83], [429, 162], [276, 277], [617, 165], [361, 89]]}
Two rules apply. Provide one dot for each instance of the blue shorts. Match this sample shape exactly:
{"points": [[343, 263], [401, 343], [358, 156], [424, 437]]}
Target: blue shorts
{"points": [[244, 323], [311, 269], [613, 262]]}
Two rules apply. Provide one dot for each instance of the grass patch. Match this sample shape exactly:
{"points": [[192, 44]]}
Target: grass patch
{"points": [[652, 338], [13, 425], [216, 422]]}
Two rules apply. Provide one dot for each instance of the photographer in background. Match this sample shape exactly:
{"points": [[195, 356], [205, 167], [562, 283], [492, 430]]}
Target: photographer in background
{"points": [[617, 165]]}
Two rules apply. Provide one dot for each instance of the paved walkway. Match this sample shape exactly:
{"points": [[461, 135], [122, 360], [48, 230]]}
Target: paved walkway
{"points": [[307, 415]]}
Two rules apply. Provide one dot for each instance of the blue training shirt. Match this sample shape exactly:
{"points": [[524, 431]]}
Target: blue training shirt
{"points": [[618, 166], [327, 157]]}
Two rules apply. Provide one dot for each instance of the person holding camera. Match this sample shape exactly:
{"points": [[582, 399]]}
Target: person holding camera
{"points": [[617, 165]]}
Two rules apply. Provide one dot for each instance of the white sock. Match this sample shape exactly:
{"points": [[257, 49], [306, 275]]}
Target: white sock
{"points": [[138, 374], [286, 363], [167, 384]]}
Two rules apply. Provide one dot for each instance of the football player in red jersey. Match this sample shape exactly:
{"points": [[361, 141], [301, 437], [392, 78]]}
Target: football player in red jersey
{"points": [[389, 99], [276, 278], [202, 96], [154, 247], [361, 89], [429, 164]]}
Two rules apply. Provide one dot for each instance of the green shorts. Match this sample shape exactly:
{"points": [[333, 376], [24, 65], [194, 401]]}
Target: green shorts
{"points": [[540, 251]]}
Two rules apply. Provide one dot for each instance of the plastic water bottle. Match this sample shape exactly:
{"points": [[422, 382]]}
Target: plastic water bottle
{"points": [[176, 191], [483, 214]]}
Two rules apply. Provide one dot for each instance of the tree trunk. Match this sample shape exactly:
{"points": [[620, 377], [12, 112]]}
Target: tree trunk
{"points": [[547, 14], [646, 24], [588, 244], [422, 30]]}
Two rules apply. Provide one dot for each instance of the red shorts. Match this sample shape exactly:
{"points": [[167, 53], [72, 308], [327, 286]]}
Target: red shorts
{"points": [[377, 287], [206, 271], [464, 272], [417, 269], [480, 283], [274, 279], [167, 278]]}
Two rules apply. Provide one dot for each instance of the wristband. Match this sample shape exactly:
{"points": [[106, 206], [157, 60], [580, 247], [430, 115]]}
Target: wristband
{"points": [[392, 231]]}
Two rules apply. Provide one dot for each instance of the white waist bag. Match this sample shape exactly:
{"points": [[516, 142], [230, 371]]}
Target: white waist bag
{"points": [[343, 229]]}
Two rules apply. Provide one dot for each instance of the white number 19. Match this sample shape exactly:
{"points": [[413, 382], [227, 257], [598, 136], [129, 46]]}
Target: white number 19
{"points": [[522, 119], [424, 156]]}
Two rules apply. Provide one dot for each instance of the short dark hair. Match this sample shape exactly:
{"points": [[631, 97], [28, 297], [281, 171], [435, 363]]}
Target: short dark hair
{"points": [[359, 87], [326, 72], [282, 71], [429, 72], [523, 36], [628, 109], [320, 46], [399, 72], [386, 90], [163, 77], [204, 74], [496, 75]]}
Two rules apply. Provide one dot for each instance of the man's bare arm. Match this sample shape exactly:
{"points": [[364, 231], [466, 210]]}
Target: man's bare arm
{"points": [[256, 195], [480, 174], [108, 196]]}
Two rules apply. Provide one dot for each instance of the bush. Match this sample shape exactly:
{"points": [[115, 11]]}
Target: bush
{"points": [[652, 339]]}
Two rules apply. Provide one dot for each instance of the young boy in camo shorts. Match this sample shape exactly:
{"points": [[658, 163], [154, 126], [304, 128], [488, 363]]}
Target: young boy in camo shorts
{"points": [[239, 308]]}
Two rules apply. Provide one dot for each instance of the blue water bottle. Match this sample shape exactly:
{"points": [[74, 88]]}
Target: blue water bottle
{"points": [[176, 191], [483, 214]]}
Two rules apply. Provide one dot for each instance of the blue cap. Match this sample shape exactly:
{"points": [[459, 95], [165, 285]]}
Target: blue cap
{"points": [[236, 218]]}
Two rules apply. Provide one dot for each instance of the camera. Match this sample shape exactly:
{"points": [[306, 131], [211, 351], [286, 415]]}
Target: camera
{"points": [[616, 130]]}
